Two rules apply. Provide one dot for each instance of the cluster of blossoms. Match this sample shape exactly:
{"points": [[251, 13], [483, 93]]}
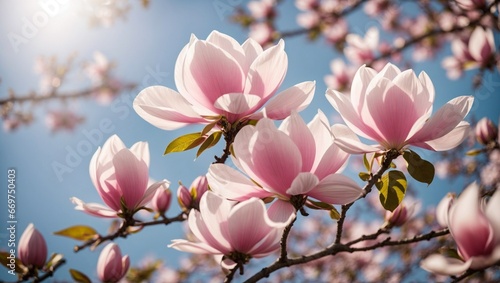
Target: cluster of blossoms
{"points": [[104, 87], [247, 211], [467, 25]]}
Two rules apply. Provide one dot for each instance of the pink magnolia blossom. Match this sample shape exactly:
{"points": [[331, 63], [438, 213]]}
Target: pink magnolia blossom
{"points": [[482, 46], [261, 32], [294, 160], [362, 50], [403, 213], [32, 249], [260, 9], [219, 77], [111, 266], [99, 70], [471, 4], [475, 227], [336, 32], [394, 109], [120, 176], [225, 228], [305, 5], [308, 19], [190, 198], [58, 120]]}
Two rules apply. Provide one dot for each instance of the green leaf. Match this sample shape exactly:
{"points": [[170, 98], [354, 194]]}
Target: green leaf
{"points": [[5, 260], [364, 176], [184, 143], [474, 152], [212, 140], [334, 214], [420, 169], [392, 189], [79, 277], [208, 128], [78, 232], [366, 163]]}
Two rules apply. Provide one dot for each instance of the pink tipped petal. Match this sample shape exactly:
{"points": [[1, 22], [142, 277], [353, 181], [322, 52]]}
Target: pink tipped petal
{"points": [[233, 185], [426, 82], [237, 103], [450, 140], [180, 65], [336, 189], [349, 142], [165, 108], [439, 264], [141, 151], [252, 50], [300, 134], [206, 73], [389, 71], [247, 225], [491, 212], [131, 176], [228, 44], [190, 247], [359, 84], [215, 211], [150, 191], [281, 211], [295, 98], [302, 184], [480, 47], [93, 209], [267, 71], [445, 119]]}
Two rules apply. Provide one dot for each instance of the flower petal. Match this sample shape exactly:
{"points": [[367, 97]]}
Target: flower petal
{"points": [[347, 140], [191, 247], [300, 134], [281, 211], [295, 98], [450, 140], [302, 184], [336, 189], [165, 108], [94, 209], [233, 185], [267, 71], [438, 264], [237, 103], [131, 176]]}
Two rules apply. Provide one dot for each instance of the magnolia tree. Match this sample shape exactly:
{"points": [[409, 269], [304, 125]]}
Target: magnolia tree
{"points": [[277, 202]]}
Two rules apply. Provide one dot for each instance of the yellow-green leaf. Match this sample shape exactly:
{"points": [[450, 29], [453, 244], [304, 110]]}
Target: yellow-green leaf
{"points": [[474, 152], [366, 163], [78, 232], [208, 128], [212, 140], [11, 262], [392, 189], [79, 277], [364, 176], [420, 169], [184, 143], [334, 214]]}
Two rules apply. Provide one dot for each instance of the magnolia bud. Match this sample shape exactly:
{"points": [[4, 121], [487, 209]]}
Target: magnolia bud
{"points": [[398, 217], [486, 131], [32, 247], [184, 198], [191, 198], [111, 266], [161, 199]]}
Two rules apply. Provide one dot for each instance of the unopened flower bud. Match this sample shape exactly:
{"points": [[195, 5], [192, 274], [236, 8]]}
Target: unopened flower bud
{"points": [[184, 198], [191, 198], [111, 266], [486, 131], [398, 217], [161, 199], [32, 247]]}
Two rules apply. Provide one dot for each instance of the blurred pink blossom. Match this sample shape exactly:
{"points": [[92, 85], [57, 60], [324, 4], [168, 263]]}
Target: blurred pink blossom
{"points": [[58, 120], [341, 76], [360, 50], [262, 33], [260, 9], [486, 131], [476, 231]]}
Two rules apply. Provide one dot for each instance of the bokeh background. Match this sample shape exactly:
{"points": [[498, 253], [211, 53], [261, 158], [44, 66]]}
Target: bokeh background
{"points": [[144, 45]]}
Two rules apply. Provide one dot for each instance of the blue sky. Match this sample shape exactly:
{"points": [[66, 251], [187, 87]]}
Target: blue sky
{"points": [[144, 47]]}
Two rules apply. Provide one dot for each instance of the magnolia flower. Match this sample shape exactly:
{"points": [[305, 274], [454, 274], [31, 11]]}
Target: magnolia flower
{"points": [[32, 248], [236, 231], [341, 75], [120, 176], [475, 227], [190, 198], [219, 77], [482, 46], [294, 160], [111, 266], [394, 109], [362, 50], [261, 8]]}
